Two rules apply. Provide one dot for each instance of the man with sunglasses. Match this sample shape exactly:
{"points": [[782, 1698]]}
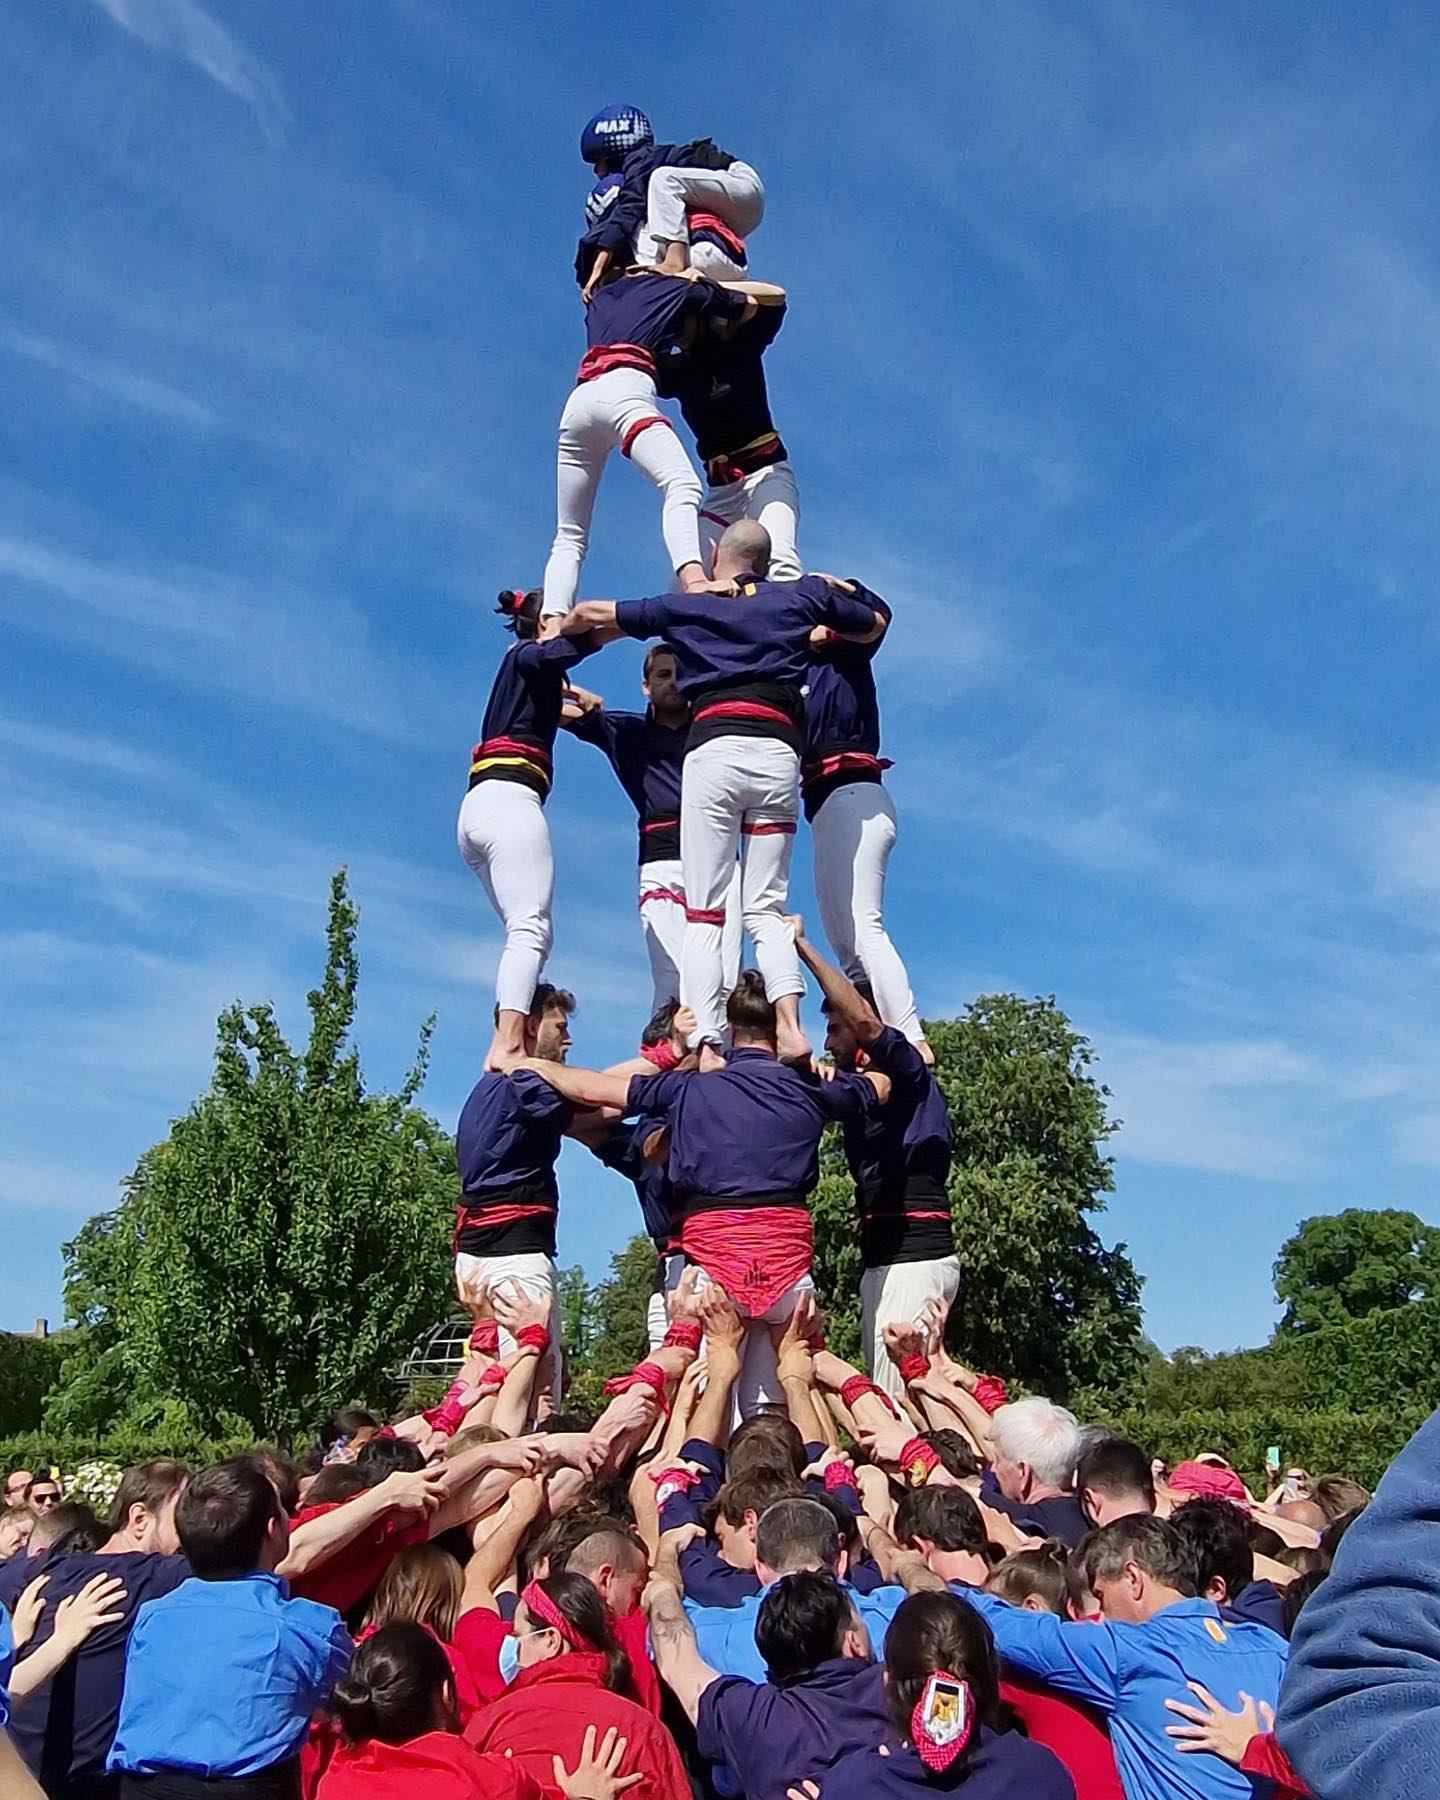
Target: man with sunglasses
{"points": [[16, 1482], [44, 1493]]}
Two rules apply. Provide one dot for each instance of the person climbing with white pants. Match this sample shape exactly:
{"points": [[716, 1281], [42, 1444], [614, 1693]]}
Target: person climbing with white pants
{"points": [[741, 655], [502, 832], [852, 818], [614, 407]]}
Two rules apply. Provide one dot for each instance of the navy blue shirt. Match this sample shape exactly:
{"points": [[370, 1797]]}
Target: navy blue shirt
{"points": [[755, 646], [899, 1157], [1261, 1603], [646, 757], [658, 313], [1003, 1766], [517, 735], [842, 715], [748, 1133], [505, 1150], [1059, 1517], [771, 1738], [623, 1151], [222, 1677], [65, 1729], [615, 228], [721, 385]]}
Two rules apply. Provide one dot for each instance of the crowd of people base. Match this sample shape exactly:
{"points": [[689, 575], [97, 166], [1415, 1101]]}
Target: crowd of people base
{"points": [[844, 1594]]}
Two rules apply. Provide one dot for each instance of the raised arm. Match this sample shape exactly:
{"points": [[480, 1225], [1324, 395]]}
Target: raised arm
{"points": [[672, 1637], [591, 615], [317, 1540], [846, 1000]]}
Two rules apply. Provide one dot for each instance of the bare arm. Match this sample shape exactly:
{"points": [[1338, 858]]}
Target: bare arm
{"points": [[496, 1542], [590, 615], [317, 1540], [16, 1781], [672, 1637], [581, 1087], [846, 1000], [76, 1617], [763, 293], [724, 1337]]}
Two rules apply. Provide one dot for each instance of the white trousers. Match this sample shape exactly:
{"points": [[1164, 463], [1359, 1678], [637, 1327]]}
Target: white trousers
{"points": [[505, 839], [662, 923], [657, 1314], [617, 411], [853, 834], [737, 794], [534, 1274], [896, 1294], [758, 1383], [770, 495], [736, 195]]}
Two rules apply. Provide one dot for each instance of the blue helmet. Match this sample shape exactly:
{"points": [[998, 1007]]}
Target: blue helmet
{"points": [[615, 131]]}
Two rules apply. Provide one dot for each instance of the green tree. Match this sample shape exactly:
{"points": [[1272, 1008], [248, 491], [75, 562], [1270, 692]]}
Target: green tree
{"points": [[281, 1249], [621, 1305], [1347, 1265], [1042, 1300], [28, 1368]]}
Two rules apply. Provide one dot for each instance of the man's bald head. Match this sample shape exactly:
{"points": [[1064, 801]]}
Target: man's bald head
{"points": [[743, 550]]}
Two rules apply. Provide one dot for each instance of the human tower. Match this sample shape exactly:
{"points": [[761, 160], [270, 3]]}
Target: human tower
{"points": [[759, 701]]}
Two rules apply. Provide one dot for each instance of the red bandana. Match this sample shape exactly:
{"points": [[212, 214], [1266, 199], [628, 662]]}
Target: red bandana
{"points": [[942, 1722]]}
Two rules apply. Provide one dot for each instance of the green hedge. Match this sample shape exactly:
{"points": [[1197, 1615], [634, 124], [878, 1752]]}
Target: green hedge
{"points": [[66, 1451], [1324, 1440]]}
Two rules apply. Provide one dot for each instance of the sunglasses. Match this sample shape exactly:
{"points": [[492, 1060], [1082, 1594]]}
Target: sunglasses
{"points": [[47, 1497]]}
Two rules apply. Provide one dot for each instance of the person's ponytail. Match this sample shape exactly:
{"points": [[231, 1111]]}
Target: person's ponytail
{"points": [[394, 1688], [590, 1624]]}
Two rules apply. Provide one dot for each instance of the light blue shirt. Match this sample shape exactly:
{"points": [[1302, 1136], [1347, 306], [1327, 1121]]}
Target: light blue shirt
{"points": [[7, 1658], [221, 1677], [725, 1635], [1129, 1671]]}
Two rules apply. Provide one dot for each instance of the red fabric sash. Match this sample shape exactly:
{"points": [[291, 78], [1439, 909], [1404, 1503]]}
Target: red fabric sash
{"points": [[755, 1253], [605, 357]]}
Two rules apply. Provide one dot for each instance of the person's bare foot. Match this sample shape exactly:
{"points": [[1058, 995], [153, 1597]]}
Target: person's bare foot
{"points": [[791, 1044], [675, 260], [925, 1053], [710, 1059]]}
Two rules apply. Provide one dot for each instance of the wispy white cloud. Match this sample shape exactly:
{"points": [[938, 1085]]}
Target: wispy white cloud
{"points": [[106, 378], [184, 29]]}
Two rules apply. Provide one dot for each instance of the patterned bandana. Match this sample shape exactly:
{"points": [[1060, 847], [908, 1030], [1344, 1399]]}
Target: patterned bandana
{"points": [[942, 1722]]}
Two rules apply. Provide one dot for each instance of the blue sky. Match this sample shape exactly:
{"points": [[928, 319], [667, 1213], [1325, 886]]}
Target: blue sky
{"points": [[1111, 362]]}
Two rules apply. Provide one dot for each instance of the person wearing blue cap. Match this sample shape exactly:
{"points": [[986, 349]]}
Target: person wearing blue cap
{"points": [[652, 203]]}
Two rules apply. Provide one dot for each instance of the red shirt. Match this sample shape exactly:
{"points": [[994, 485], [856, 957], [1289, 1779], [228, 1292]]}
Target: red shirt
{"points": [[1074, 1731], [480, 1633], [344, 1579], [437, 1766], [1264, 1758], [544, 1713]]}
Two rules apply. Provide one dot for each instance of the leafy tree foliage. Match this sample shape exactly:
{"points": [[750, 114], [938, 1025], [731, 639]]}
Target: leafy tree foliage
{"points": [[1041, 1299], [28, 1367], [281, 1249], [1348, 1265]]}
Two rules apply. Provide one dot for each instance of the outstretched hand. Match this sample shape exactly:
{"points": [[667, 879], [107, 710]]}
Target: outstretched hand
{"points": [[515, 1309], [1215, 1730], [904, 1339], [596, 1776], [724, 1327]]}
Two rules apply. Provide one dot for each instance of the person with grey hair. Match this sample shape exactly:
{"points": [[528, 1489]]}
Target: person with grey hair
{"points": [[1037, 1445]]}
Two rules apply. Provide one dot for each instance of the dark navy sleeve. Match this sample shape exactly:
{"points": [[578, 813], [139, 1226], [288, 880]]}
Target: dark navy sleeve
{"points": [[719, 304], [593, 727], [538, 1100], [615, 229], [654, 1095], [845, 612], [643, 618], [733, 1718], [1360, 1709], [847, 1097], [764, 328], [554, 655], [894, 1055], [710, 1581]]}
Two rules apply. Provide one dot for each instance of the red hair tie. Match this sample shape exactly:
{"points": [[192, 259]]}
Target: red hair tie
{"points": [[914, 1367], [664, 1055], [990, 1393], [943, 1721], [684, 1334], [857, 1385], [918, 1461], [533, 1337], [540, 1606], [485, 1337]]}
